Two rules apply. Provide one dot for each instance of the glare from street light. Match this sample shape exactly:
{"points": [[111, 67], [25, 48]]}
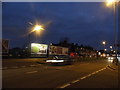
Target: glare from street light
{"points": [[103, 42], [38, 28], [110, 2], [111, 47], [105, 49]]}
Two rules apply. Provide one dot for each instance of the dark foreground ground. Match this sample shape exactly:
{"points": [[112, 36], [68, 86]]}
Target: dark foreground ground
{"points": [[28, 73]]}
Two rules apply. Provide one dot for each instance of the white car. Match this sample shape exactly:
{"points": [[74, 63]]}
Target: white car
{"points": [[58, 59]]}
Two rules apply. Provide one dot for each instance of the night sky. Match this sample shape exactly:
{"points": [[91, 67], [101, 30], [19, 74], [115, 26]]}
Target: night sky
{"points": [[83, 23]]}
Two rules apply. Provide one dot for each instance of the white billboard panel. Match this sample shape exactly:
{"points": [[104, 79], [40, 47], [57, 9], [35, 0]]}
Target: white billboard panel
{"points": [[37, 48]]}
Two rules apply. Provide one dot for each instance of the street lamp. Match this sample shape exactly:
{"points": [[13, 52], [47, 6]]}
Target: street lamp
{"points": [[104, 43], [114, 2], [37, 29], [110, 2], [105, 49], [110, 47]]}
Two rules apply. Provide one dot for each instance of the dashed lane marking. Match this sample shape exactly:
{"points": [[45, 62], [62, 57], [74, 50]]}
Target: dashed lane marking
{"points": [[31, 72], [4, 68], [82, 78], [23, 66], [75, 81], [32, 65], [65, 85], [14, 67]]}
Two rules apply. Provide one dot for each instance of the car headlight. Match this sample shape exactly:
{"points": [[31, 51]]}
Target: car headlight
{"points": [[112, 58]]}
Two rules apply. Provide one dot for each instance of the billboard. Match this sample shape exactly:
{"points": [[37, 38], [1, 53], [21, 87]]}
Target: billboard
{"points": [[57, 50], [37, 48], [5, 45]]}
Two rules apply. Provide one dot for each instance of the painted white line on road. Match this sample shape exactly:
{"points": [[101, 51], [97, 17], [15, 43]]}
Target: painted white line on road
{"points": [[4, 68], [89, 75], [14, 67], [75, 81], [39, 64], [23, 66], [84, 77], [66, 85], [32, 65], [32, 72]]}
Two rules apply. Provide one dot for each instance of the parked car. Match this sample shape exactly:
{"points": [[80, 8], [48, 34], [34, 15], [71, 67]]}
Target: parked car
{"points": [[60, 59]]}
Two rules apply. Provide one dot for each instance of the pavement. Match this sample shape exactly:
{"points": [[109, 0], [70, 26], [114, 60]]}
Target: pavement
{"points": [[97, 74]]}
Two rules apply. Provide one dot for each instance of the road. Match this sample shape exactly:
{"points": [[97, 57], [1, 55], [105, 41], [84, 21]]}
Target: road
{"points": [[94, 74], [17, 63]]}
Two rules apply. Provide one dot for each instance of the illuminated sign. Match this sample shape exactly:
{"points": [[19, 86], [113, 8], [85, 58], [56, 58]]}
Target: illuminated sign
{"points": [[37, 48]]}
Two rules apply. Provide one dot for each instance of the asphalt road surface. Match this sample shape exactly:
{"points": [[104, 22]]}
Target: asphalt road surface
{"points": [[94, 74]]}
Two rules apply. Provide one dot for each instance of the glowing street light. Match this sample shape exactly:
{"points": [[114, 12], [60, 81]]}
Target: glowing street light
{"points": [[110, 47], [105, 49], [110, 2], [103, 42], [38, 28]]}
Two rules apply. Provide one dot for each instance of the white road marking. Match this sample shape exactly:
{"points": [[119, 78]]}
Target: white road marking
{"points": [[39, 64], [83, 77], [14, 67], [23, 66], [32, 72], [5, 68], [93, 73], [68, 84], [33, 65], [75, 81], [89, 75]]}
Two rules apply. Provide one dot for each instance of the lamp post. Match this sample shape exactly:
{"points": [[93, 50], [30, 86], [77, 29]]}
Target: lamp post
{"points": [[104, 43], [110, 52], [36, 29], [114, 2]]}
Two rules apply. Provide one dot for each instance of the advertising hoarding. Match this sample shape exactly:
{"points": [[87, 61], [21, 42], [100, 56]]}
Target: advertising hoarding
{"points": [[57, 50], [37, 48]]}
